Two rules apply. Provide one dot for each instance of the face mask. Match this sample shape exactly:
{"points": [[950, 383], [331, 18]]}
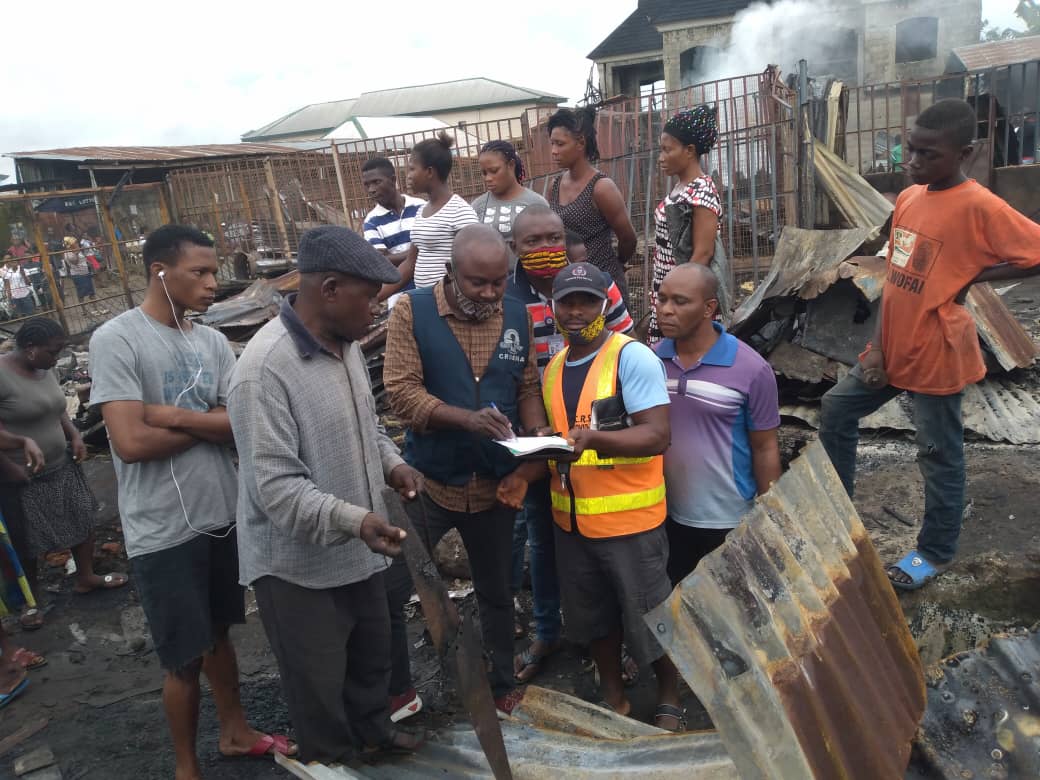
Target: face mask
{"points": [[544, 262], [589, 333], [469, 308]]}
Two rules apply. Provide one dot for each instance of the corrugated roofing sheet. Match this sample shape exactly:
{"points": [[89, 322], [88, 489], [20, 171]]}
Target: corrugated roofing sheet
{"points": [[567, 739], [983, 717], [800, 256], [998, 409], [447, 96], [859, 203], [793, 639], [123, 154], [316, 118], [978, 56], [999, 330]]}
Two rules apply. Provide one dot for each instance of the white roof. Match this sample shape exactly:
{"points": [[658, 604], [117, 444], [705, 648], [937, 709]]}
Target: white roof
{"points": [[360, 127]]}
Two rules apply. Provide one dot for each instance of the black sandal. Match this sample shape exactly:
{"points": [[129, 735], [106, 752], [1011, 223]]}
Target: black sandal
{"points": [[671, 711]]}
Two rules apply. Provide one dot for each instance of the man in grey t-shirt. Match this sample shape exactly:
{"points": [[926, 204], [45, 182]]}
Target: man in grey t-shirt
{"points": [[162, 382]]}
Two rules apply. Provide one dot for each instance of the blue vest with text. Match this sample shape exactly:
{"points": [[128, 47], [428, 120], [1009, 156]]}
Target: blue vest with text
{"points": [[454, 457]]}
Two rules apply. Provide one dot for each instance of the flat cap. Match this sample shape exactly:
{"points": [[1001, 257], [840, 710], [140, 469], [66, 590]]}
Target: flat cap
{"points": [[340, 249]]}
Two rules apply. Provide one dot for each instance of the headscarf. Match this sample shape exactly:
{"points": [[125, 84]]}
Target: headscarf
{"points": [[697, 127], [508, 151]]}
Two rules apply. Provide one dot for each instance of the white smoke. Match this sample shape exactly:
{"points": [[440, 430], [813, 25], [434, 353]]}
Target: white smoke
{"points": [[783, 33]]}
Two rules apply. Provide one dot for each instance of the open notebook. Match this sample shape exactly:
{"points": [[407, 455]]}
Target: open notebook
{"points": [[522, 446]]}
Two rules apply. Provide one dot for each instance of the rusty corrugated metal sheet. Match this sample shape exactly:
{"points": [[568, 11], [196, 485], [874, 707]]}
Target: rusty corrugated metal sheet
{"points": [[998, 328], [118, 154], [983, 716], [979, 56], [791, 636], [800, 255], [859, 203], [998, 409], [555, 736]]}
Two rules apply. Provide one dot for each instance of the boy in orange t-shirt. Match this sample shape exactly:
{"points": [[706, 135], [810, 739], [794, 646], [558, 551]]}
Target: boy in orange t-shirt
{"points": [[948, 233]]}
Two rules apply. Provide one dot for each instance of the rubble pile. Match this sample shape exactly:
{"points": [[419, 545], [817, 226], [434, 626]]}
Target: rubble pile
{"points": [[813, 313]]}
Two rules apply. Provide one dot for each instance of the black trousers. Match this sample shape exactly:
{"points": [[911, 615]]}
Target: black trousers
{"points": [[687, 545], [488, 538], [333, 651]]}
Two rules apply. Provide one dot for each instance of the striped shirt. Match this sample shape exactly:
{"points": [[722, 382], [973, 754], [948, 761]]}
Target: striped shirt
{"points": [[389, 230], [433, 235], [547, 341]]}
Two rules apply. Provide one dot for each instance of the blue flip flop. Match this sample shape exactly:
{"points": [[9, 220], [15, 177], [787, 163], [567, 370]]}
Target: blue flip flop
{"points": [[920, 571], [7, 698]]}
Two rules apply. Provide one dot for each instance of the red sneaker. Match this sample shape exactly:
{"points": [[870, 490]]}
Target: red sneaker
{"points": [[405, 705], [506, 704]]}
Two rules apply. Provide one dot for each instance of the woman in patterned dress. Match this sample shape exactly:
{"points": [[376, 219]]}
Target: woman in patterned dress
{"points": [[587, 200], [45, 499], [687, 136]]}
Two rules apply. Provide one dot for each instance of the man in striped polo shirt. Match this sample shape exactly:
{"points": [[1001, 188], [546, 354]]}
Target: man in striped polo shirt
{"points": [[724, 416], [388, 225], [544, 248]]}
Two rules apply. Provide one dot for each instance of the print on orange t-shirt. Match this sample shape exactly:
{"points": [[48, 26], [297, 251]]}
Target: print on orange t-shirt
{"points": [[940, 242]]}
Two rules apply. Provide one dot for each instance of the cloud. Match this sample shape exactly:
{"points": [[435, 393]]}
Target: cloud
{"points": [[206, 71], [117, 72]]}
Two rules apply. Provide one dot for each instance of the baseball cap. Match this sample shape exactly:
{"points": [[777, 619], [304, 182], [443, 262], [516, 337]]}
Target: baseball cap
{"points": [[580, 277]]}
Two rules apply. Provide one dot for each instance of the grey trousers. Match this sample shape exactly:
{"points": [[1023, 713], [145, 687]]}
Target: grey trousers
{"points": [[333, 651]]}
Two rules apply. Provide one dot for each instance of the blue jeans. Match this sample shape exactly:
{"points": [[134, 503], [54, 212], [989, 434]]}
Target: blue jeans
{"points": [[534, 524], [940, 453]]}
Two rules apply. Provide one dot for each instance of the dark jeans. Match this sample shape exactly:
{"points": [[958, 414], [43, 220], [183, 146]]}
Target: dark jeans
{"points": [[333, 651], [534, 524], [487, 537], [24, 307], [940, 453]]}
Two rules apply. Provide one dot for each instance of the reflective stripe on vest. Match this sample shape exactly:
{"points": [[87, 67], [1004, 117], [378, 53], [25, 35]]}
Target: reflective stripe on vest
{"points": [[611, 496]]}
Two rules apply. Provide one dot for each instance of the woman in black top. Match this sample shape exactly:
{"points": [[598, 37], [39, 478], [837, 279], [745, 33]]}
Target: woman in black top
{"points": [[589, 202]]}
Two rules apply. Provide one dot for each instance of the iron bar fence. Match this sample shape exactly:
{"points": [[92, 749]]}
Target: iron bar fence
{"points": [[1006, 101]]}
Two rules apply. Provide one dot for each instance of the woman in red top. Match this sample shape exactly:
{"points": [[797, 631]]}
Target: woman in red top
{"points": [[687, 137]]}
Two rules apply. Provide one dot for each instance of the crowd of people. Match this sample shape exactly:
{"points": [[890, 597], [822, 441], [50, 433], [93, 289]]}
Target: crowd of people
{"points": [[25, 289], [507, 319]]}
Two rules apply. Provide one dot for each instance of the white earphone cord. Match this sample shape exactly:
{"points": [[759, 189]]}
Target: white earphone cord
{"points": [[193, 385]]}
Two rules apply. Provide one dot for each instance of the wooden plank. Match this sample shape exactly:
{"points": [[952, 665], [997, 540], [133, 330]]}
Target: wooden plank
{"points": [[30, 729]]}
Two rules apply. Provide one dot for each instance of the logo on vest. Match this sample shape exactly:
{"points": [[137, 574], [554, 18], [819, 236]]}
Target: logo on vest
{"points": [[511, 346]]}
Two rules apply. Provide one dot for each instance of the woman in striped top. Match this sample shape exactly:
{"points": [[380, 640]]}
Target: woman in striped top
{"points": [[435, 226]]}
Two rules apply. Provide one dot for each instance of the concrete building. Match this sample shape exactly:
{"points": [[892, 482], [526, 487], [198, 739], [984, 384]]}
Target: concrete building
{"points": [[670, 44], [455, 103]]}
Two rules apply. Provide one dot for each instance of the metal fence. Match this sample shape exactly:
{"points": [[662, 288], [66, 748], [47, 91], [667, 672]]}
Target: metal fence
{"points": [[256, 208], [1006, 101], [106, 224]]}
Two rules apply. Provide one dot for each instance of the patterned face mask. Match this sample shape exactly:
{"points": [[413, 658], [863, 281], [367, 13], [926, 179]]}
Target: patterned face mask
{"points": [[590, 332], [469, 308], [544, 262]]}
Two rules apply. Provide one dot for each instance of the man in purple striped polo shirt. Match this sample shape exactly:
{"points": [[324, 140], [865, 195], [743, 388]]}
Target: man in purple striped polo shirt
{"points": [[724, 415]]}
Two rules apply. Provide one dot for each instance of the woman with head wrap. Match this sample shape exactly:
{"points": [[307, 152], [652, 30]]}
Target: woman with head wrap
{"points": [[687, 220]]}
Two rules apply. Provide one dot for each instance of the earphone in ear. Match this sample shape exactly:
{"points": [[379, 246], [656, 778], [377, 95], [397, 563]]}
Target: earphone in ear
{"points": [[162, 275]]}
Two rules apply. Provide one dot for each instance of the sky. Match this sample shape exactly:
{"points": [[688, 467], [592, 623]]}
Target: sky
{"points": [[206, 71]]}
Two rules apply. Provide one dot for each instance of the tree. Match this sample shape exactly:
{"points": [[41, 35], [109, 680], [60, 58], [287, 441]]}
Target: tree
{"points": [[1026, 10]]}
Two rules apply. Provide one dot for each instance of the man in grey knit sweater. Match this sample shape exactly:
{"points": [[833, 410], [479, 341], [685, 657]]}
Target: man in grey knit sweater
{"points": [[312, 536]]}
